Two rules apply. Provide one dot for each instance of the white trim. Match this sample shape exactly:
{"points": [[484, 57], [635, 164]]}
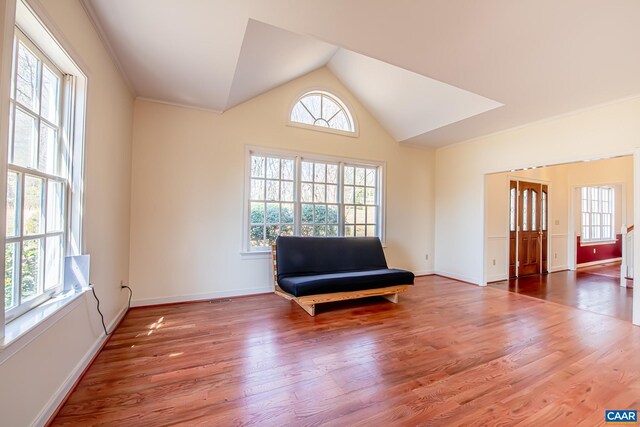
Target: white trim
{"points": [[575, 207], [558, 268], [227, 294], [6, 55], [56, 400], [315, 156], [636, 241], [298, 155], [38, 25], [461, 278], [518, 180], [255, 254], [525, 179], [178, 105], [346, 106], [32, 324], [201, 297], [39, 34], [61, 52], [102, 35], [497, 278], [424, 273], [322, 129], [266, 254], [600, 190], [596, 242], [571, 253], [25, 17], [602, 261], [563, 161], [484, 210]]}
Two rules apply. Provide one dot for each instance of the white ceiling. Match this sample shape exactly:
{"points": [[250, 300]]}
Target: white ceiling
{"points": [[540, 59], [407, 104], [270, 57]]}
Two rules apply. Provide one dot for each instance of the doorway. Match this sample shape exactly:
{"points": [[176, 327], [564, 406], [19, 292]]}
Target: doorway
{"points": [[528, 228]]}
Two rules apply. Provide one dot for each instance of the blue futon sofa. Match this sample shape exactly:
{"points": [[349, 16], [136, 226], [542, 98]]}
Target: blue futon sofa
{"points": [[313, 270]]}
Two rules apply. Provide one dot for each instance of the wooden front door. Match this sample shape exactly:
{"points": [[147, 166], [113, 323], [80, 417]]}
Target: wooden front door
{"points": [[528, 228]]}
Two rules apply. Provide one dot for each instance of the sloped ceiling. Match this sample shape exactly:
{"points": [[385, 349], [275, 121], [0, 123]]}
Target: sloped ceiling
{"points": [[407, 104], [432, 72], [270, 57]]}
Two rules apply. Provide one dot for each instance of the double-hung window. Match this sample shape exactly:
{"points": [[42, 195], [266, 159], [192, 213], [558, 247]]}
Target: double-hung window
{"points": [[306, 195], [37, 181], [44, 166], [597, 214]]}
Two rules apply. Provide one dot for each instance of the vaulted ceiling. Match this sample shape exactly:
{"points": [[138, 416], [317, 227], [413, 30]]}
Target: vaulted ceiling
{"points": [[432, 72]]}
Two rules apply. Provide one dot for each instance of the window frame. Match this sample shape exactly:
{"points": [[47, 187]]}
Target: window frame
{"points": [[339, 100], [299, 156], [39, 30], [590, 212], [21, 307]]}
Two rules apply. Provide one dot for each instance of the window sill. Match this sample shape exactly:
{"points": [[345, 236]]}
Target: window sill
{"points": [[264, 254], [353, 134], [255, 254], [24, 329], [598, 242]]}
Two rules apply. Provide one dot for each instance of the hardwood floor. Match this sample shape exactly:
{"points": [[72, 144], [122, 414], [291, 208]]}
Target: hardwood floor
{"points": [[595, 289], [448, 354]]}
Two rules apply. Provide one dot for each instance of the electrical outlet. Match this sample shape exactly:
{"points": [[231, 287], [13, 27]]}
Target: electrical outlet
{"points": [[426, 257], [557, 222], [123, 283], [594, 250], [555, 255], [494, 262]]}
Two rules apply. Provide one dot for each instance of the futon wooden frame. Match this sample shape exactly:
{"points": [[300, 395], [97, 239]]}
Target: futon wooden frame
{"points": [[308, 302]]}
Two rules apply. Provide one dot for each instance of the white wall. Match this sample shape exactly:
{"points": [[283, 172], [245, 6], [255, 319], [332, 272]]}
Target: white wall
{"points": [[188, 180], [601, 132], [34, 379], [497, 218], [562, 181]]}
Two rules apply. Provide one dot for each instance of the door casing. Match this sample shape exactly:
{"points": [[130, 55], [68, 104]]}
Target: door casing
{"points": [[515, 242]]}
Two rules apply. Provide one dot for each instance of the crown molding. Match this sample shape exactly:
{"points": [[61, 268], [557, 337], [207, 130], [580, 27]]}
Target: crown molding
{"points": [[179, 105]]}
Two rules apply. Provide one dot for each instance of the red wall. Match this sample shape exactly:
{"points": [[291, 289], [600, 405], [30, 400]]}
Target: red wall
{"points": [[607, 251]]}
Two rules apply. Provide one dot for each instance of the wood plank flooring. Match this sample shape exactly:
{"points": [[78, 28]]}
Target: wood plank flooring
{"points": [[448, 354], [595, 289]]}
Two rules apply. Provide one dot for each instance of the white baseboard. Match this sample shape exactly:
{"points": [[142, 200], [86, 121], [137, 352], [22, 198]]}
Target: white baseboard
{"points": [[603, 261], [200, 297], [55, 401], [558, 268], [423, 273], [458, 277], [497, 278]]}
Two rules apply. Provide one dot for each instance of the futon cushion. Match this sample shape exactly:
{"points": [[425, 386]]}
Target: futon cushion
{"points": [[344, 282], [299, 256]]}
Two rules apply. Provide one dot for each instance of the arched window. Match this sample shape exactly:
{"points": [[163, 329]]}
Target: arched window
{"points": [[317, 108]]}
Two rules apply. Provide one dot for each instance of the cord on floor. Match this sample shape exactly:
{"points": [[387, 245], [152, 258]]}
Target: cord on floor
{"points": [[100, 312]]}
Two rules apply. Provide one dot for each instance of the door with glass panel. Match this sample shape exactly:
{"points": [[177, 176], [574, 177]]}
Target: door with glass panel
{"points": [[528, 228]]}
